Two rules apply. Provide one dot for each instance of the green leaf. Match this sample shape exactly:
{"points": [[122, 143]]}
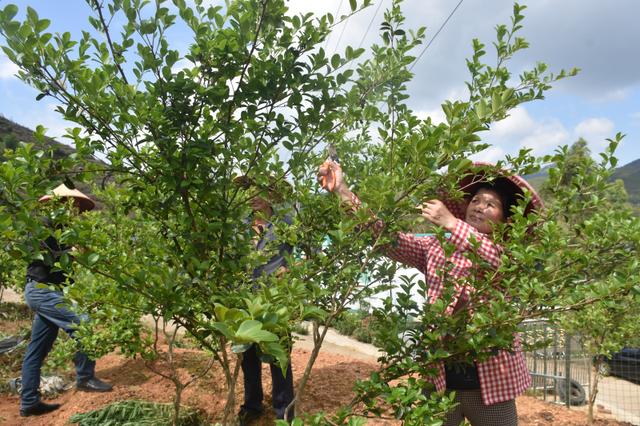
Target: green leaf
{"points": [[64, 261], [221, 312], [12, 28], [482, 109], [92, 259], [224, 329], [32, 15], [353, 4], [335, 61], [42, 25], [251, 331], [147, 27], [235, 315], [313, 312], [10, 11], [276, 350]]}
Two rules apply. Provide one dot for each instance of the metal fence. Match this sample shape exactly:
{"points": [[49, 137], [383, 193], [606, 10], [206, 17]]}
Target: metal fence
{"points": [[558, 356]]}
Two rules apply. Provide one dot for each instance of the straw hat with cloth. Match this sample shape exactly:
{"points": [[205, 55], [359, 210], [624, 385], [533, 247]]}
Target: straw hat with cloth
{"points": [[511, 187], [276, 190], [81, 201]]}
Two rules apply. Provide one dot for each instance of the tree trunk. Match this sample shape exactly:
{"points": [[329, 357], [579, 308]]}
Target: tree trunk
{"points": [[317, 345], [593, 391], [176, 402], [232, 379]]}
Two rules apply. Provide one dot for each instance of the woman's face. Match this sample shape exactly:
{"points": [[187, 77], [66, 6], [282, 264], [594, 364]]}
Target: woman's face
{"points": [[259, 204], [484, 210]]}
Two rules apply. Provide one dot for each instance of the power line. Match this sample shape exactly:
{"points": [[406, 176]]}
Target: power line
{"points": [[326, 42], [435, 35], [370, 24], [344, 27]]}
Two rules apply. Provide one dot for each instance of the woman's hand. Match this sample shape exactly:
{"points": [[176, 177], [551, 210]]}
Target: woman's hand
{"points": [[437, 213], [330, 177]]}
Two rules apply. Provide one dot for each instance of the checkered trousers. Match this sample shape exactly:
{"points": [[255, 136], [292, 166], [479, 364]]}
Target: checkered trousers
{"points": [[503, 376], [471, 407]]}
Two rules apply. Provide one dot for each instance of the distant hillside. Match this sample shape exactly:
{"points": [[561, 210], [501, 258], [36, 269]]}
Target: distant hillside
{"points": [[630, 175], [537, 179], [12, 133], [23, 134]]}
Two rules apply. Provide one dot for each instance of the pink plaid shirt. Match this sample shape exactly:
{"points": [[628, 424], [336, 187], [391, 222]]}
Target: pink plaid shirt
{"points": [[503, 376]]}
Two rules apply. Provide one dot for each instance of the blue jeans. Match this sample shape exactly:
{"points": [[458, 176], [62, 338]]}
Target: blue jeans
{"points": [[51, 314], [281, 390]]}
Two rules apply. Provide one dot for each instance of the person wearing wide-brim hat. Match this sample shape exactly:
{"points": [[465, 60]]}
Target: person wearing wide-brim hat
{"points": [[264, 196], [274, 190], [510, 188], [43, 294], [485, 391], [81, 201]]}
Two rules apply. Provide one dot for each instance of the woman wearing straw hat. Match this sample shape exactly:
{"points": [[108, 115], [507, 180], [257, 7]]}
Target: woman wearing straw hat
{"points": [[485, 391], [51, 314]]}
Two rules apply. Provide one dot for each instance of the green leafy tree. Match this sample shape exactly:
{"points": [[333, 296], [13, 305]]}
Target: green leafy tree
{"points": [[255, 94], [8, 141], [10, 265], [578, 158], [603, 326], [543, 257]]}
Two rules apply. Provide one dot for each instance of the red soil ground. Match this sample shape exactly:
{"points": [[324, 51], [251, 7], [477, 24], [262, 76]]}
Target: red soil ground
{"points": [[329, 387]]}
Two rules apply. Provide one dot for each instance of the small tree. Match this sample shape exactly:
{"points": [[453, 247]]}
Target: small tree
{"points": [[603, 325], [175, 128]]}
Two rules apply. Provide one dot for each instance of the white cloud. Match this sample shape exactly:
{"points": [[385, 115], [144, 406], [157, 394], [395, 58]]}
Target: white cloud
{"points": [[437, 115], [545, 137], [490, 155], [519, 122], [7, 68], [520, 130], [181, 65], [595, 131], [615, 95], [317, 7]]}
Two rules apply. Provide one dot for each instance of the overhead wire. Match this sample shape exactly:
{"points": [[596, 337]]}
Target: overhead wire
{"points": [[370, 23], [344, 27], [415, 61], [326, 42]]}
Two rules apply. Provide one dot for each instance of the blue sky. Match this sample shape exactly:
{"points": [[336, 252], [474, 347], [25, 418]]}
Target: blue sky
{"points": [[600, 38]]}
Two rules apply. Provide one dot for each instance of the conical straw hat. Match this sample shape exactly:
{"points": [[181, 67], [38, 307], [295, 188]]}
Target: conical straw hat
{"points": [[83, 202], [481, 173]]}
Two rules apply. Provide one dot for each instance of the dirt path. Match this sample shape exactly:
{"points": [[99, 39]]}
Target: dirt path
{"points": [[336, 343], [9, 295], [341, 362]]}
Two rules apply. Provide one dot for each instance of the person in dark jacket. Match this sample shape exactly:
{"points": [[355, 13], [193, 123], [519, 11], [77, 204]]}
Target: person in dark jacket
{"points": [[282, 385], [43, 294]]}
